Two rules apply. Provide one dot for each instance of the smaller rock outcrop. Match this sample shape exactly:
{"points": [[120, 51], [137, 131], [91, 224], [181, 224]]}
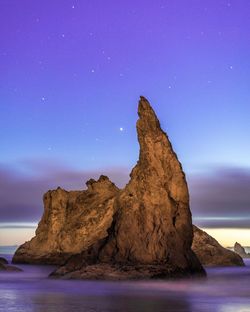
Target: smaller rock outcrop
{"points": [[4, 266], [241, 250], [211, 253], [3, 261]]}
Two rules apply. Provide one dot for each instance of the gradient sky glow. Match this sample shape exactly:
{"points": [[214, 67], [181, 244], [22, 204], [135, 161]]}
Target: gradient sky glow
{"points": [[71, 73]]}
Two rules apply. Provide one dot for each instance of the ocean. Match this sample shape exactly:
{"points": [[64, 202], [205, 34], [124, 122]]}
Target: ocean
{"points": [[224, 290]]}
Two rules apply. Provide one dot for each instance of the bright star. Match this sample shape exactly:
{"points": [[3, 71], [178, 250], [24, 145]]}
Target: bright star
{"points": [[121, 129]]}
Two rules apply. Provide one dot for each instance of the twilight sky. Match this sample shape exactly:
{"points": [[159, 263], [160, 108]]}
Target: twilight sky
{"points": [[71, 73]]}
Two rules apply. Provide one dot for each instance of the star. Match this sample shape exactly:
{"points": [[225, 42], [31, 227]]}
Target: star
{"points": [[73, 7], [231, 67], [121, 129], [43, 98]]}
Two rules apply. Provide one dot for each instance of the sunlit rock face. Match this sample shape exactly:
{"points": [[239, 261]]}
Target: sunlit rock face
{"points": [[142, 231], [211, 253], [72, 221]]}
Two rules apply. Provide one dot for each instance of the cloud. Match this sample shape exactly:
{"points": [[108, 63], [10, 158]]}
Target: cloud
{"points": [[21, 191], [18, 225], [221, 198]]}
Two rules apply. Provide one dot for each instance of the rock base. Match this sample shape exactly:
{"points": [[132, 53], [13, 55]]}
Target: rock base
{"points": [[125, 272]]}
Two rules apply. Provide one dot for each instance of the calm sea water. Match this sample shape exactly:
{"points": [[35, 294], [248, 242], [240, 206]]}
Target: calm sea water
{"points": [[224, 290]]}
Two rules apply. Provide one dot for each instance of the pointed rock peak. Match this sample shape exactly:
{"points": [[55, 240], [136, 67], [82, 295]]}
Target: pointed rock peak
{"points": [[148, 119], [144, 108]]}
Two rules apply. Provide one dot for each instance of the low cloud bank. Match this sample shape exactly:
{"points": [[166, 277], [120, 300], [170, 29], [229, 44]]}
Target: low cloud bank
{"points": [[219, 199], [21, 192]]}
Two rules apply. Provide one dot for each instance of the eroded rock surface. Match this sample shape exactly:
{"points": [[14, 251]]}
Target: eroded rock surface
{"points": [[211, 253], [241, 250], [72, 221]]}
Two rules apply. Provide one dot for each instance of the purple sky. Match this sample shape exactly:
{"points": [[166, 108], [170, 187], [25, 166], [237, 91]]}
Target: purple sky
{"points": [[71, 76]]}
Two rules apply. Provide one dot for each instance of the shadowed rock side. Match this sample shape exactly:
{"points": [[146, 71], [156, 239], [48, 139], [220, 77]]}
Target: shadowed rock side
{"points": [[72, 221], [241, 250], [211, 253], [151, 233]]}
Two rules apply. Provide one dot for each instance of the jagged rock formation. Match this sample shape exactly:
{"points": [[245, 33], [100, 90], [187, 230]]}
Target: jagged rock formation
{"points": [[72, 221], [241, 250], [146, 228], [211, 253]]}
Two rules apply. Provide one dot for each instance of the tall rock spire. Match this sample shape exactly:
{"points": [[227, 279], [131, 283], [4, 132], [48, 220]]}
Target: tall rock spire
{"points": [[153, 223]]}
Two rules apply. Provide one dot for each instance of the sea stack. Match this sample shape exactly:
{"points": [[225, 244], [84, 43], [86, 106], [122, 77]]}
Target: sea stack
{"points": [[211, 253], [149, 233], [241, 250]]}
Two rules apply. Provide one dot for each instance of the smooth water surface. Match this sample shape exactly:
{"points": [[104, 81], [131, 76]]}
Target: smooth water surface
{"points": [[224, 290]]}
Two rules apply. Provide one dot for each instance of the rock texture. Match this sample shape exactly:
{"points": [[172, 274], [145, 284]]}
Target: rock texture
{"points": [[142, 231], [72, 221], [211, 253], [241, 250]]}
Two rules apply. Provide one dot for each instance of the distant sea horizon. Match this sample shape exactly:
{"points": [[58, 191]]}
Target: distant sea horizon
{"points": [[8, 250]]}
